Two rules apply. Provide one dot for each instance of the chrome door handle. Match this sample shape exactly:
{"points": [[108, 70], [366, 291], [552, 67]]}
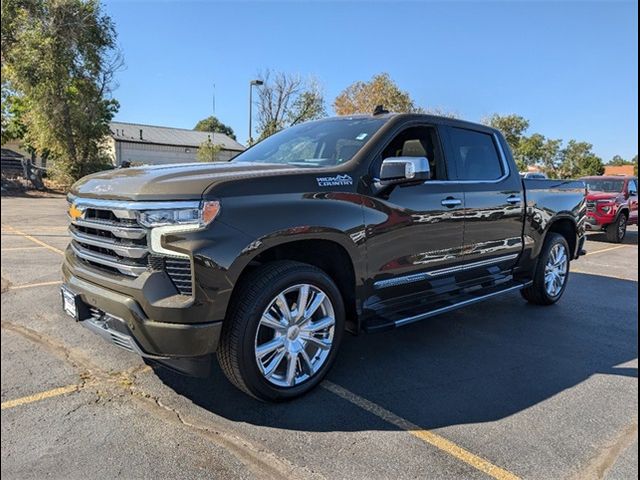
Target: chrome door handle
{"points": [[513, 199], [451, 202]]}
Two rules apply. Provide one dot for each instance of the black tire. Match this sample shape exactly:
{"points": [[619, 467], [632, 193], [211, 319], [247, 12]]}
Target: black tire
{"points": [[236, 352], [537, 293], [617, 230]]}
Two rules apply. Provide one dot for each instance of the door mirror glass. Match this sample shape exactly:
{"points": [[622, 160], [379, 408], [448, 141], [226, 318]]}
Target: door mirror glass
{"points": [[404, 169]]}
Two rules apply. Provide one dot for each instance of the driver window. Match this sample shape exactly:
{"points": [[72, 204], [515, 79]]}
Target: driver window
{"points": [[419, 142]]}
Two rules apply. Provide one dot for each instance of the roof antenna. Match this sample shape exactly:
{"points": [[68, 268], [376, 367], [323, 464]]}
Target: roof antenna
{"points": [[379, 110]]}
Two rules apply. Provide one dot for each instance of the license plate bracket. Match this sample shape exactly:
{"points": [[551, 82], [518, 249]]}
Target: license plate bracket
{"points": [[70, 303]]}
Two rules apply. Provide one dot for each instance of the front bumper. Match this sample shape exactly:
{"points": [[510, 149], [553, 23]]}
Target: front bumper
{"points": [[120, 319], [598, 222]]}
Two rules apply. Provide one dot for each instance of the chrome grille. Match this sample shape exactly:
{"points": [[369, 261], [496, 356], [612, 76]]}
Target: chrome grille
{"points": [[108, 236], [110, 239], [591, 206]]}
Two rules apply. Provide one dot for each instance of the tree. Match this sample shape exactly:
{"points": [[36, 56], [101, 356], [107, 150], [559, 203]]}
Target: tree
{"points": [[363, 97], [212, 124], [208, 151], [61, 56], [578, 159], [285, 100]]}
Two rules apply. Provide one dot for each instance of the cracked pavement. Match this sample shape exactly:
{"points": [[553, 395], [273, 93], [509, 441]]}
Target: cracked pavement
{"points": [[543, 393]]}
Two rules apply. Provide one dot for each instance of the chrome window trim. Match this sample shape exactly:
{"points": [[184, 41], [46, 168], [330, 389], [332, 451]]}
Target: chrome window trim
{"points": [[417, 277], [106, 204]]}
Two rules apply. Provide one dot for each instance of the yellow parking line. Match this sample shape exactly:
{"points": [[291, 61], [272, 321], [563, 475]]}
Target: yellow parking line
{"points": [[11, 249], [39, 396], [426, 436], [35, 240], [606, 250], [33, 285]]}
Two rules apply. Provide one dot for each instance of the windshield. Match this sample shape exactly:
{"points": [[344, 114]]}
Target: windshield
{"points": [[314, 144], [609, 186]]}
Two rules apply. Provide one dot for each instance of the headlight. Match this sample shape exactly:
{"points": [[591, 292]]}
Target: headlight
{"points": [[165, 221], [200, 216]]}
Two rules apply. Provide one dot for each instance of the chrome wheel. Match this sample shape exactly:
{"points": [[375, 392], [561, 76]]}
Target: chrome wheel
{"points": [[556, 270], [295, 335]]}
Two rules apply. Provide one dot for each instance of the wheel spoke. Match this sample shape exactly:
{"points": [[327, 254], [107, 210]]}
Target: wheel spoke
{"points": [[301, 304], [318, 342], [268, 347], [282, 304], [274, 363], [292, 367], [270, 321], [315, 304], [321, 324], [306, 365]]}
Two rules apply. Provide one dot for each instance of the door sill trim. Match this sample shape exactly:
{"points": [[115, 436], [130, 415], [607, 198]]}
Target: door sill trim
{"points": [[455, 306]]}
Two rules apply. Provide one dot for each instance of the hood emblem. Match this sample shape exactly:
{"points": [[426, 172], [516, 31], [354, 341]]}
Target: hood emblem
{"points": [[75, 213], [337, 181]]}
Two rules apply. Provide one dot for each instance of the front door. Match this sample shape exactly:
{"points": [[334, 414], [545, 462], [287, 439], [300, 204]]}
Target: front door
{"points": [[414, 232]]}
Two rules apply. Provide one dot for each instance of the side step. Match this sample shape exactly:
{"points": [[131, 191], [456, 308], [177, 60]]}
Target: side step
{"points": [[461, 301]]}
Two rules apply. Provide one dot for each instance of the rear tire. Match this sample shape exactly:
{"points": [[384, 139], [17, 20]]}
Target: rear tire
{"points": [[552, 272], [270, 348], [617, 230]]}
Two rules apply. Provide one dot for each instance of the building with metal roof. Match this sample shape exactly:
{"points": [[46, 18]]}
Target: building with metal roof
{"points": [[140, 144]]}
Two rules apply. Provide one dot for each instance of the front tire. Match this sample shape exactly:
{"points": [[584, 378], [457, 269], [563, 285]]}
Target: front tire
{"points": [[552, 272], [282, 332], [617, 230]]}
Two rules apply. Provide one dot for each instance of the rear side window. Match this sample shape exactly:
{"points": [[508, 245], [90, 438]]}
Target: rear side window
{"points": [[475, 155]]}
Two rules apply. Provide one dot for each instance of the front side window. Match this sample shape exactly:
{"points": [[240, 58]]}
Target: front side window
{"points": [[476, 155], [632, 187], [418, 142], [314, 144]]}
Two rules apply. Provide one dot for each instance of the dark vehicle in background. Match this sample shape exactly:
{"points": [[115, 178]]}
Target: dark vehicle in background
{"points": [[352, 224], [612, 204]]}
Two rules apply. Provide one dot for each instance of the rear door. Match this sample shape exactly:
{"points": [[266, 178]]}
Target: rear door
{"points": [[493, 198]]}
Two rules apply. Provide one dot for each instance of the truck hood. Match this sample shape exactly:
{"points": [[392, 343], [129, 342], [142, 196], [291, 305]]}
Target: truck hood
{"points": [[185, 181], [593, 196]]}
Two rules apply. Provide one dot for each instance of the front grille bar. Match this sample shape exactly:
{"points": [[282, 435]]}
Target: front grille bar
{"points": [[130, 251], [132, 233], [107, 261]]}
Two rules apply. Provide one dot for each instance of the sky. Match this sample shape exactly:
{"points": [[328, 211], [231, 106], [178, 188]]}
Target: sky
{"points": [[570, 68]]}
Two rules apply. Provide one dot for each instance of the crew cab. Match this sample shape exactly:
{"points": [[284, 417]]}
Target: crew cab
{"points": [[612, 204], [354, 224]]}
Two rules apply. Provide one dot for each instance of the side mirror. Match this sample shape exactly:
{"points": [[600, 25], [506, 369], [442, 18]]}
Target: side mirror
{"points": [[396, 170]]}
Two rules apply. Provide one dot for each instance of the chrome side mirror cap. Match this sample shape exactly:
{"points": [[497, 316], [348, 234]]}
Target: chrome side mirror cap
{"points": [[404, 169]]}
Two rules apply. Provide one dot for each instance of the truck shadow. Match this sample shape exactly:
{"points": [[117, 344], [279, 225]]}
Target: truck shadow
{"points": [[478, 364], [631, 238]]}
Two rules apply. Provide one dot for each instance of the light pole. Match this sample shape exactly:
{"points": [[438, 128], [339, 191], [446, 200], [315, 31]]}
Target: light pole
{"points": [[252, 83]]}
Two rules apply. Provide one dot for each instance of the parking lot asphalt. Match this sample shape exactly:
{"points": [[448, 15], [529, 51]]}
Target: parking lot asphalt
{"points": [[503, 389]]}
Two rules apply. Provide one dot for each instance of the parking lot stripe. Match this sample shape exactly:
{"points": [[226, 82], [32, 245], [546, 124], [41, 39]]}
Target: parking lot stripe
{"points": [[35, 240], [606, 250], [39, 396], [11, 249], [33, 285], [426, 436]]}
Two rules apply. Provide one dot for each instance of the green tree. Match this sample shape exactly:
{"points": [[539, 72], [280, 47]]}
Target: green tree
{"points": [[285, 100], [61, 56], [212, 124], [363, 97], [208, 151], [578, 159]]}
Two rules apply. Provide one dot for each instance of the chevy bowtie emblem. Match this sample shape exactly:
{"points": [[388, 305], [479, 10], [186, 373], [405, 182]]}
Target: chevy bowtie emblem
{"points": [[74, 212]]}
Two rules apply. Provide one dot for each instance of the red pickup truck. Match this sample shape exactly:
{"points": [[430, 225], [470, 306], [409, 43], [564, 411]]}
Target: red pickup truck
{"points": [[612, 204]]}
